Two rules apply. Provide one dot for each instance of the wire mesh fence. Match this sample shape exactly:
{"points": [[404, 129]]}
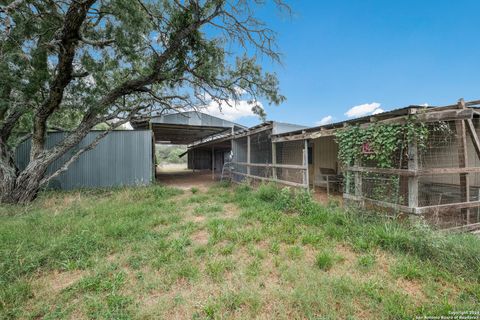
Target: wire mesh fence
{"points": [[239, 150], [436, 192], [286, 166], [261, 153], [291, 153], [454, 217]]}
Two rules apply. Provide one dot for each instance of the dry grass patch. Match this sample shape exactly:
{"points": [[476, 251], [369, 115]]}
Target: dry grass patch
{"points": [[57, 205], [413, 288], [231, 211], [197, 219], [200, 237], [56, 281]]}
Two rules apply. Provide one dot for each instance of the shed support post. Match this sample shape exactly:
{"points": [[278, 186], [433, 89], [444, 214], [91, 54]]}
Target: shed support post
{"points": [[348, 181], [274, 160], [154, 158], [413, 181], [305, 164], [463, 160], [248, 155], [193, 160], [213, 163]]}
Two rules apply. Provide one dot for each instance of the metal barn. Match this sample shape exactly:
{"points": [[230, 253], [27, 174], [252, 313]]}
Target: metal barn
{"points": [[122, 158], [195, 129]]}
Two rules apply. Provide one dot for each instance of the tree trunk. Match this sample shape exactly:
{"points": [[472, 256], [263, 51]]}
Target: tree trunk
{"points": [[28, 181], [7, 182], [20, 187]]}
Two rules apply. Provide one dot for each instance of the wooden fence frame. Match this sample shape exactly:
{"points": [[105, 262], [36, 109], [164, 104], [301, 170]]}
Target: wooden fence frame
{"points": [[274, 178], [463, 123], [274, 165]]}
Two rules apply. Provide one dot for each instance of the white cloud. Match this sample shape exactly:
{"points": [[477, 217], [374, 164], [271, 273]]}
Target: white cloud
{"points": [[425, 104], [126, 126], [239, 109], [240, 91], [324, 121], [363, 109], [378, 110]]}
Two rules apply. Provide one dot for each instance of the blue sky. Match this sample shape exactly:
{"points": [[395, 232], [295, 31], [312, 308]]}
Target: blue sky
{"points": [[341, 54]]}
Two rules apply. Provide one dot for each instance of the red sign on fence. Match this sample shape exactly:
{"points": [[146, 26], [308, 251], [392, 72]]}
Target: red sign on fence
{"points": [[367, 148]]}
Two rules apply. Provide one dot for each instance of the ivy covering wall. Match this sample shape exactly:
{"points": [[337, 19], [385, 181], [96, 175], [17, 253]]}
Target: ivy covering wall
{"points": [[379, 145], [379, 142]]}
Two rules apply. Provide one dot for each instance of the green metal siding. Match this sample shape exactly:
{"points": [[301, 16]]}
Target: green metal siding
{"points": [[121, 158]]}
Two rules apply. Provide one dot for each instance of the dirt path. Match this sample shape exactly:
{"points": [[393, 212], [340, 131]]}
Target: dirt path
{"points": [[186, 179]]}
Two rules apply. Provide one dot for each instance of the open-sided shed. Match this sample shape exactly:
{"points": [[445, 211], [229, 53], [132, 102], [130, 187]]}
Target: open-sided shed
{"points": [[195, 129], [186, 127]]}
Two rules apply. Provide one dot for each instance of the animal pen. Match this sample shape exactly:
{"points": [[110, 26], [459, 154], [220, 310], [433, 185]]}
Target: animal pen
{"points": [[437, 178], [256, 157], [432, 168]]}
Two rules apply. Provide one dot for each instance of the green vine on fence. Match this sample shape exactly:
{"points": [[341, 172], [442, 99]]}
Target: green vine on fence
{"points": [[379, 142]]}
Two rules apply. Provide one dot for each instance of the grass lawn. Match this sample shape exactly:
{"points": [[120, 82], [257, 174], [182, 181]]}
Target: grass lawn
{"points": [[229, 252]]}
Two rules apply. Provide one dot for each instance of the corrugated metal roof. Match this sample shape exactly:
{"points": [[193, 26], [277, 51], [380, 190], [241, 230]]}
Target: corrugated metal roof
{"points": [[186, 127]]}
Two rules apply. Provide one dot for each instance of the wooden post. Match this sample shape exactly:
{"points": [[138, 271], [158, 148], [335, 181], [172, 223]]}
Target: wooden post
{"points": [[463, 160], [193, 160], [413, 181], [213, 163], [358, 180], [346, 189], [305, 164], [274, 160], [248, 155]]}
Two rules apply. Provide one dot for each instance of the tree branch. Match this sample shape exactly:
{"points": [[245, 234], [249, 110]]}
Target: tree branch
{"points": [[90, 146], [73, 21], [97, 43]]}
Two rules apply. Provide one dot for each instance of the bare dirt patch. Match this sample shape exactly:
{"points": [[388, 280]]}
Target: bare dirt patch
{"points": [[56, 281], [320, 195], [200, 237], [412, 288], [349, 257], [186, 179], [230, 211], [198, 219]]}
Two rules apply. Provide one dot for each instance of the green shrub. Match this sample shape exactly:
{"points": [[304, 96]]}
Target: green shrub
{"points": [[217, 268], [267, 192], [408, 268], [223, 184], [366, 262], [283, 199], [194, 190], [303, 203], [325, 260], [295, 252], [286, 199]]}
